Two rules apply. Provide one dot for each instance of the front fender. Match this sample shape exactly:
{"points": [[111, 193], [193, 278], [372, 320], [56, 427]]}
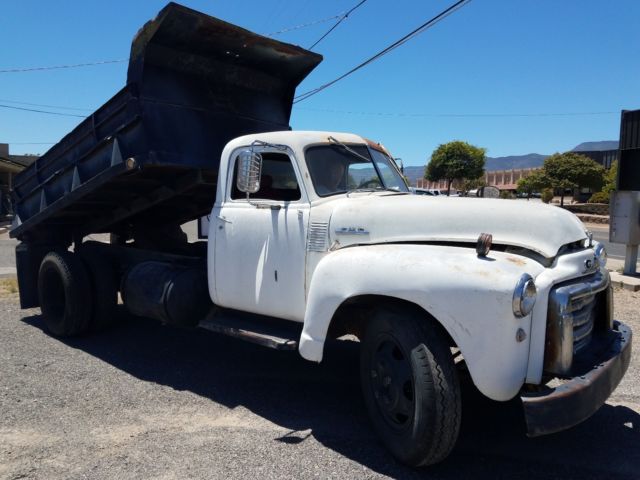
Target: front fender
{"points": [[470, 296]]}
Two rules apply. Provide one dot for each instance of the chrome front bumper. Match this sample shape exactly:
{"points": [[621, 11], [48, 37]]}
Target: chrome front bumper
{"points": [[596, 374]]}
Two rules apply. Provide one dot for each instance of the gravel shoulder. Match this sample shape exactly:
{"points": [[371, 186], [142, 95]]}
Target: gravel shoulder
{"points": [[146, 401]]}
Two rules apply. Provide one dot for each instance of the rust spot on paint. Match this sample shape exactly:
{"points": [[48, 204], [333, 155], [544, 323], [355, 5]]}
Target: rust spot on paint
{"points": [[483, 273], [517, 261]]}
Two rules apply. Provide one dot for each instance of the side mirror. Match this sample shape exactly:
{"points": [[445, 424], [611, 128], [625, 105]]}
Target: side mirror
{"points": [[489, 192], [249, 171]]}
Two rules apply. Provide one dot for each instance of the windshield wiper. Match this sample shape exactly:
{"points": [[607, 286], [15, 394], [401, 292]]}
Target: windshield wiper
{"points": [[376, 189], [334, 141], [350, 150]]}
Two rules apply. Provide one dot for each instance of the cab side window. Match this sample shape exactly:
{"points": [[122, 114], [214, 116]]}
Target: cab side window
{"points": [[277, 182]]}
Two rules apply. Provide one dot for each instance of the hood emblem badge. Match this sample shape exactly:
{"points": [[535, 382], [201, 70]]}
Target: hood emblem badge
{"points": [[589, 264], [352, 231]]}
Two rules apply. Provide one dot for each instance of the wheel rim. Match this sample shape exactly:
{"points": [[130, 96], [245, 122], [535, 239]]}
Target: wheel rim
{"points": [[392, 383]]}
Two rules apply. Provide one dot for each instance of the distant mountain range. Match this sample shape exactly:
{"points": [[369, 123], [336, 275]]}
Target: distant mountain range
{"points": [[596, 146], [530, 160], [413, 174]]}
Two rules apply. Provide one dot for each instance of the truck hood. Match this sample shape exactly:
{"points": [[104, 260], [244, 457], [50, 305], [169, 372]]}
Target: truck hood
{"points": [[387, 218]]}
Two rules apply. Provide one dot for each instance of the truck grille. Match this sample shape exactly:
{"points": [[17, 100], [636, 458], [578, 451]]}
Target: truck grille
{"points": [[576, 308], [583, 311]]}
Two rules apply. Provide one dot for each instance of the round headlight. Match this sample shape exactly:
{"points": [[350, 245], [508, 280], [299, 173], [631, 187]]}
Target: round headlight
{"points": [[524, 296], [601, 255]]}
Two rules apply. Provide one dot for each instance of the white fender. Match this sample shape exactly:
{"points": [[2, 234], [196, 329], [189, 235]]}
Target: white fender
{"points": [[470, 296]]}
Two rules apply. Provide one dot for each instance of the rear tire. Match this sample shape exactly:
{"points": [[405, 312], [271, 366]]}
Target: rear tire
{"points": [[410, 387], [104, 290], [64, 293]]}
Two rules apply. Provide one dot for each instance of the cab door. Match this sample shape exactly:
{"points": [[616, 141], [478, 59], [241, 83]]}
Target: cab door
{"points": [[260, 243]]}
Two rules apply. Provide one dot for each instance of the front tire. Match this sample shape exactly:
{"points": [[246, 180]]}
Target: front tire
{"points": [[410, 387]]}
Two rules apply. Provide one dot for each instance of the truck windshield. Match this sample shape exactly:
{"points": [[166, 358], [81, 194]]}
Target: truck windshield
{"points": [[335, 170]]}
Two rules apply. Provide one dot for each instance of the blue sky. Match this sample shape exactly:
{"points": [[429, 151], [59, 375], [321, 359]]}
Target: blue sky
{"points": [[487, 62]]}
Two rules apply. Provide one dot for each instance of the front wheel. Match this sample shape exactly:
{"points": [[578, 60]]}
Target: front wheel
{"points": [[410, 387]]}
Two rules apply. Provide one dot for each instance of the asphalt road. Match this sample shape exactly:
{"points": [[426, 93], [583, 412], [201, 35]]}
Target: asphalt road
{"points": [[146, 401], [601, 234], [7, 251]]}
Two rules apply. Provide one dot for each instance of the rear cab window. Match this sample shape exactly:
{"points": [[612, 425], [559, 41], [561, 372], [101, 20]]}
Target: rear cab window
{"points": [[278, 180]]}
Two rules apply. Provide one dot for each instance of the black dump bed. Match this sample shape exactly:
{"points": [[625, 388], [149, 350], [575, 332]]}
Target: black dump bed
{"points": [[151, 153]]}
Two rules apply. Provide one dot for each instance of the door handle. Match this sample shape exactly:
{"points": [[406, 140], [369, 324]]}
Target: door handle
{"points": [[223, 219]]}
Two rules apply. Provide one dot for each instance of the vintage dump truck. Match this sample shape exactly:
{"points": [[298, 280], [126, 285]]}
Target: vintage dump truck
{"points": [[312, 236]]}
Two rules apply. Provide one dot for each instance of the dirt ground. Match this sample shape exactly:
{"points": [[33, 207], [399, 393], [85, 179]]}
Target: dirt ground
{"points": [[146, 401]]}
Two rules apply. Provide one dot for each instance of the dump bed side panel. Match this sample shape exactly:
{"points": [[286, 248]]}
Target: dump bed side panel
{"points": [[151, 153]]}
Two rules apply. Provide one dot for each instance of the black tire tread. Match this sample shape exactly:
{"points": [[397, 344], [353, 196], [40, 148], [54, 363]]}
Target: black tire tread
{"points": [[75, 319], [436, 358], [440, 382], [449, 412], [104, 286]]}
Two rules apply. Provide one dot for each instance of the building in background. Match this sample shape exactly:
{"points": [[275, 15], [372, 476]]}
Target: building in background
{"points": [[503, 179], [10, 165], [603, 157]]}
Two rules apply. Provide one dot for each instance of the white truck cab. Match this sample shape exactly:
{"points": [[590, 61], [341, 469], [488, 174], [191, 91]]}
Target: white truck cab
{"points": [[330, 238]]}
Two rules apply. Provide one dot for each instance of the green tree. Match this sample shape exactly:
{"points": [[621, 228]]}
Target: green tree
{"points": [[473, 183], [455, 160], [536, 181], [572, 170], [506, 195], [610, 178]]}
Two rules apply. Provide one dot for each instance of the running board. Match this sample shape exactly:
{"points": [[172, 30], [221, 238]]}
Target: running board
{"points": [[266, 331]]}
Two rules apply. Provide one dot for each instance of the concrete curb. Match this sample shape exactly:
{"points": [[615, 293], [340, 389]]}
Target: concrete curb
{"points": [[625, 281], [598, 219], [628, 282]]}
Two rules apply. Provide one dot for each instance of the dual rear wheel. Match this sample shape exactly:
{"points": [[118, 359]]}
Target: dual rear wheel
{"points": [[77, 292]]}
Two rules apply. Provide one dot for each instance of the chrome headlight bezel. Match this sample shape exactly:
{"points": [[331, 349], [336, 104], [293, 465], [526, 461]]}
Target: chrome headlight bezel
{"points": [[600, 253], [524, 296]]}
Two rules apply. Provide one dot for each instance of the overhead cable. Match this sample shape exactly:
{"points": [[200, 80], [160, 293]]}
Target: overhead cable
{"points": [[43, 105], [460, 115], [304, 25], [57, 67], [428, 24], [42, 111], [122, 60], [340, 20]]}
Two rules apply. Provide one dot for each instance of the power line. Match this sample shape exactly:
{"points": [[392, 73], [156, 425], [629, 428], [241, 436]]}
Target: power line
{"points": [[340, 16], [340, 20], [43, 105], [428, 24], [42, 111], [304, 25], [56, 67], [460, 115], [345, 112]]}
